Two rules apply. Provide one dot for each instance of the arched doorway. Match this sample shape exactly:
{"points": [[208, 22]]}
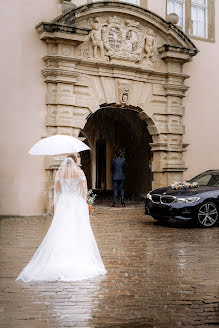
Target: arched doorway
{"points": [[112, 128]]}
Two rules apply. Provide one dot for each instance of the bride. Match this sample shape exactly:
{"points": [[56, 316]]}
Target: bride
{"points": [[69, 251]]}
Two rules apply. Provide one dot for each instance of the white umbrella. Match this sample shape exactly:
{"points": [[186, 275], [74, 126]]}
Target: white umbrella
{"points": [[58, 144]]}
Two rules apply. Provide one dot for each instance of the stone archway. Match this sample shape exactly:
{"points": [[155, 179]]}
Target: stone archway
{"points": [[132, 59], [112, 128]]}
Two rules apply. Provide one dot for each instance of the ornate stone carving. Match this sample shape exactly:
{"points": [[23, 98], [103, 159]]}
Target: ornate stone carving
{"points": [[112, 34], [119, 38], [149, 45], [96, 39], [66, 51], [123, 39], [123, 92]]}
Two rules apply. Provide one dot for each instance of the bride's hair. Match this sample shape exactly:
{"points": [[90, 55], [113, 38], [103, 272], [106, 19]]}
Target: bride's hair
{"points": [[73, 156]]}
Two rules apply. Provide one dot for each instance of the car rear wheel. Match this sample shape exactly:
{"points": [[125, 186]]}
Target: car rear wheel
{"points": [[207, 215]]}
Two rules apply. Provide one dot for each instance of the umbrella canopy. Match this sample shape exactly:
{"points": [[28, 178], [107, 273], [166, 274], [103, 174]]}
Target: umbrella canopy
{"points": [[58, 144]]}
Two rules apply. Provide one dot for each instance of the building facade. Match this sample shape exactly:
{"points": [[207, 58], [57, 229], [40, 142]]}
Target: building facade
{"points": [[115, 74]]}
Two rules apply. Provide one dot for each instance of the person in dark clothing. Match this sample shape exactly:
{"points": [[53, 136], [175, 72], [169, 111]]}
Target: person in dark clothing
{"points": [[118, 177]]}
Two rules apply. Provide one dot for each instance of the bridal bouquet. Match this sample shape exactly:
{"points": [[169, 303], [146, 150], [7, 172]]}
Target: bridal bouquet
{"points": [[91, 197], [184, 185]]}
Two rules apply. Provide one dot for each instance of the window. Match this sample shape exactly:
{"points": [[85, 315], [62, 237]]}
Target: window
{"points": [[199, 17], [177, 7], [196, 17]]}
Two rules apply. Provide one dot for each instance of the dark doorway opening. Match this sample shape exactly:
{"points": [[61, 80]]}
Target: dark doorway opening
{"points": [[101, 164], [113, 128]]}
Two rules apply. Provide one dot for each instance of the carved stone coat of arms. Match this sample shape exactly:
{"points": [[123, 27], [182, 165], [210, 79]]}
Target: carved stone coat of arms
{"points": [[118, 38]]}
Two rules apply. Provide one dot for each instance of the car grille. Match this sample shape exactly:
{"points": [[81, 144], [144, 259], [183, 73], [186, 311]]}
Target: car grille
{"points": [[167, 199], [156, 198], [159, 199]]}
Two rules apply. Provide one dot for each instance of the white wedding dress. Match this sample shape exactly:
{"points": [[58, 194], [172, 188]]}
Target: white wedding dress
{"points": [[69, 251]]}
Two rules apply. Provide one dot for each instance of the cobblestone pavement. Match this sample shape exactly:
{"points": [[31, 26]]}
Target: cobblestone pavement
{"points": [[158, 276]]}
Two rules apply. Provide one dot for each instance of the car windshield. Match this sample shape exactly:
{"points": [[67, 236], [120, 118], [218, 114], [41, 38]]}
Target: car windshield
{"points": [[207, 180]]}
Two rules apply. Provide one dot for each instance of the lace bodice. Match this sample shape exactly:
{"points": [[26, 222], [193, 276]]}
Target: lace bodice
{"points": [[70, 179], [72, 186]]}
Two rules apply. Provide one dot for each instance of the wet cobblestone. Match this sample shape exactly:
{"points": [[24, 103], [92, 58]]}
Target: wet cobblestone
{"points": [[158, 276]]}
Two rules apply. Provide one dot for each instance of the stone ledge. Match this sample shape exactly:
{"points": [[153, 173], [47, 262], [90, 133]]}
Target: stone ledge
{"points": [[55, 27], [168, 51]]}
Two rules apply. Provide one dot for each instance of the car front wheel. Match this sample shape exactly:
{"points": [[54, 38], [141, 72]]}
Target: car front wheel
{"points": [[207, 215]]}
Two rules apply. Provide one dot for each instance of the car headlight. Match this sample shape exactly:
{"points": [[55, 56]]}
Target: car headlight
{"points": [[149, 196], [187, 199]]}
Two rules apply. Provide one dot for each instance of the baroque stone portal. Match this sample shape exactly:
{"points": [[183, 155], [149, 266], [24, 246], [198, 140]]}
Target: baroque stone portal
{"points": [[134, 60]]}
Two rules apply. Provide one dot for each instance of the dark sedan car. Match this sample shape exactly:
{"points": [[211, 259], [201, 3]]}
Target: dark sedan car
{"points": [[200, 204]]}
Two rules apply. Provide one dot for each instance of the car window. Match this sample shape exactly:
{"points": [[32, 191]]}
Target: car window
{"points": [[207, 180], [214, 181], [204, 180]]}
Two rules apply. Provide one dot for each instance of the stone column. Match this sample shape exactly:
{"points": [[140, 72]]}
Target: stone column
{"points": [[63, 114], [168, 165]]}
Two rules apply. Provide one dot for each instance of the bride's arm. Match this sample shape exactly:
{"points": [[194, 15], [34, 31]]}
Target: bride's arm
{"points": [[83, 187]]}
